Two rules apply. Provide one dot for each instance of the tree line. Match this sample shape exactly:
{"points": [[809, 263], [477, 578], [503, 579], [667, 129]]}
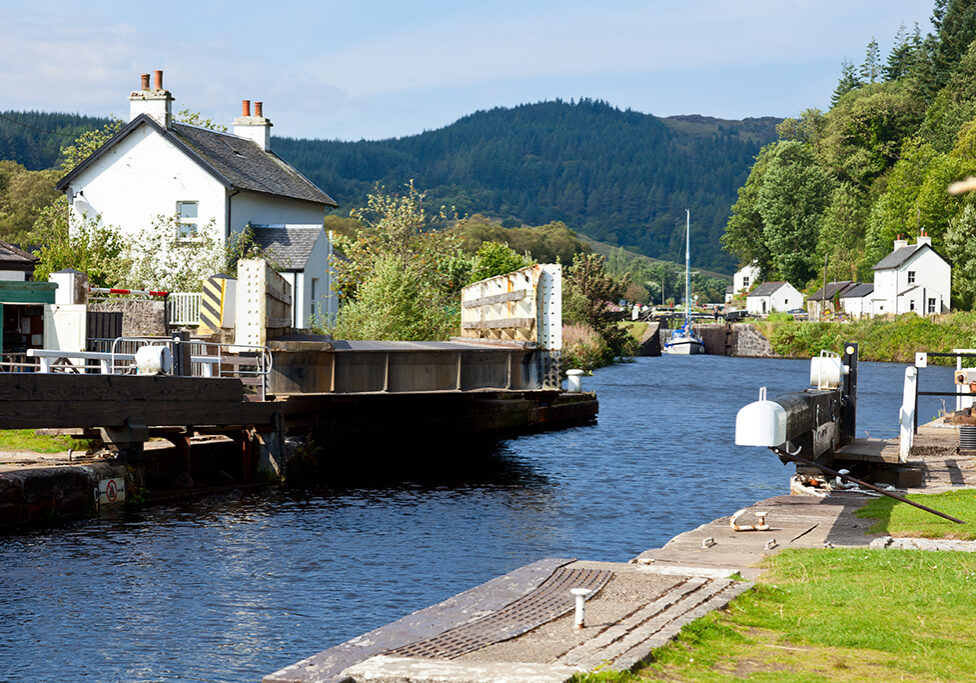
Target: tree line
{"points": [[838, 186]]}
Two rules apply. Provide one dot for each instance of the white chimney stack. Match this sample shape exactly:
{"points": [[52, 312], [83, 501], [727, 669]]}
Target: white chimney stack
{"points": [[155, 101], [900, 243], [256, 128], [923, 238]]}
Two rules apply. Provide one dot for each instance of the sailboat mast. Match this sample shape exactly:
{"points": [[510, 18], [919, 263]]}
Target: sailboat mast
{"points": [[687, 264]]}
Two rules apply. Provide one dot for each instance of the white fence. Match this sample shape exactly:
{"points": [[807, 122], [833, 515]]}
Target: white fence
{"points": [[183, 308]]}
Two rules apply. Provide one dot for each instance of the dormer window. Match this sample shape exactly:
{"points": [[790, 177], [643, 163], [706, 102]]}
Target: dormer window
{"points": [[911, 277], [187, 213]]}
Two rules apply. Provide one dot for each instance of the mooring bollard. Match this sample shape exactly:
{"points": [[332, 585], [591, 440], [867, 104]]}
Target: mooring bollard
{"points": [[574, 380], [580, 593]]}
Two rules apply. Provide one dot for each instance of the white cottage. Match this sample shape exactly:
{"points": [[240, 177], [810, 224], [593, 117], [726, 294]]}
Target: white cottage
{"points": [[912, 279], [744, 278], [772, 297], [155, 167]]}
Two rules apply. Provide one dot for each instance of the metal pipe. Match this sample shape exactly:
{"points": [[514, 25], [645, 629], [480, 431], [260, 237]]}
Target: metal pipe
{"points": [[846, 477]]}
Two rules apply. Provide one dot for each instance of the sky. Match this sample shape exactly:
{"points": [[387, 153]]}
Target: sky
{"points": [[359, 69]]}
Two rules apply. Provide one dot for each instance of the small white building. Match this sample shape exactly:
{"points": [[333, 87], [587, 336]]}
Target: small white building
{"points": [[824, 299], [857, 301], [16, 264], [744, 278], [154, 167], [772, 297], [912, 278]]}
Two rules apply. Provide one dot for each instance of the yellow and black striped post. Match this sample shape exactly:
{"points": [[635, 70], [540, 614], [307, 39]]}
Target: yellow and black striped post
{"points": [[212, 303]]}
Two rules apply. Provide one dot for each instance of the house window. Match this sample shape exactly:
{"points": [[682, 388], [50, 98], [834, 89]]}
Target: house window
{"points": [[187, 213], [911, 277], [911, 305], [745, 283], [931, 306]]}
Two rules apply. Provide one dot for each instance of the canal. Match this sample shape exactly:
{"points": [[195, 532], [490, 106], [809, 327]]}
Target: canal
{"points": [[235, 586]]}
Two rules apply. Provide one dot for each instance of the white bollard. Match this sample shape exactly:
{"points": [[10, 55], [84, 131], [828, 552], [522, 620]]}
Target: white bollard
{"points": [[574, 381], [580, 593], [907, 416]]}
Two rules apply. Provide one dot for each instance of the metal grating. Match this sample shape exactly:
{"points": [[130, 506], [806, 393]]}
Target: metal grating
{"points": [[547, 602]]}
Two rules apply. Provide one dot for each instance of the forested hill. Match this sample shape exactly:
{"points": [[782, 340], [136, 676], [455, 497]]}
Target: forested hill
{"points": [[617, 176], [620, 177]]}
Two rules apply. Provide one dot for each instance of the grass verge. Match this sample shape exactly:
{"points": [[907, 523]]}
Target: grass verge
{"points": [[833, 615], [898, 519], [27, 440]]}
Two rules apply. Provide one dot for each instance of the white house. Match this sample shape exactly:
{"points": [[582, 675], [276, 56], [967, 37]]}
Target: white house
{"points": [[155, 167], [857, 301], [745, 278], [770, 297], [16, 265], [912, 279]]}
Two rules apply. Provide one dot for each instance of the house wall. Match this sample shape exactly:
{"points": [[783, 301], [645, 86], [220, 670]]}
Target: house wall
{"points": [[322, 304], [885, 289], [266, 209], [858, 306], [783, 299], [143, 177], [754, 304], [744, 278]]}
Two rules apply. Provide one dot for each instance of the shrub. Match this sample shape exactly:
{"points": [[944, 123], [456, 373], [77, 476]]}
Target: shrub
{"points": [[583, 348]]}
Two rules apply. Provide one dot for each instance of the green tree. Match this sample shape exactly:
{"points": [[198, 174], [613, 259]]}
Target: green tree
{"points": [[960, 242], [849, 81], [841, 239], [743, 235], [871, 67], [493, 258], [86, 144], [954, 105], [23, 194], [791, 202], [587, 291]]}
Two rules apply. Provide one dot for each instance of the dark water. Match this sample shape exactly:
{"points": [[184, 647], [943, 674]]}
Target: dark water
{"points": [[232, 587]]}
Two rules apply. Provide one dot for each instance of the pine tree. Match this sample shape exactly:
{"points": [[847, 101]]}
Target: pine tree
{"points": [[871, 68], [848, 81]]}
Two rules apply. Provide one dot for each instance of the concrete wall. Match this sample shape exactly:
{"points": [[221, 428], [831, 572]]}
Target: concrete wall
{"points": [[139, 317], [735, 339]]}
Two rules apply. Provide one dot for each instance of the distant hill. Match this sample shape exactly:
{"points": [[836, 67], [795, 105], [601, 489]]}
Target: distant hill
{"points": [[620, 177]]}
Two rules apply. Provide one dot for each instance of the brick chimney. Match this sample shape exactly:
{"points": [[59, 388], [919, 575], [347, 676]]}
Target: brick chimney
{"points": [[256, 128], [155, 101], [900, 242], [924, 238]]}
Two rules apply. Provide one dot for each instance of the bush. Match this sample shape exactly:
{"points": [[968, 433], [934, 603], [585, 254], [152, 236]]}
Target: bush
{"points": [[583, 348], [396, 304]]}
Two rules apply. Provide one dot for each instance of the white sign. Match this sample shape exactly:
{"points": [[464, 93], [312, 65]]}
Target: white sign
{"points": [[921, 359], [111, 491]]}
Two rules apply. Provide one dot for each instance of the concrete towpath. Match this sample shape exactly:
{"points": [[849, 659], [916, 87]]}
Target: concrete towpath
{"points": [[520, 627]]}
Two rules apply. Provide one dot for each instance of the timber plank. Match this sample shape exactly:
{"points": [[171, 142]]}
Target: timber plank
{"points": [[30, 386], [82, 412]]}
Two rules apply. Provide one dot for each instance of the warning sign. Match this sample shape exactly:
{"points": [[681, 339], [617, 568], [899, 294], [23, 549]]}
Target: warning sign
{"points": [[111, 491]]}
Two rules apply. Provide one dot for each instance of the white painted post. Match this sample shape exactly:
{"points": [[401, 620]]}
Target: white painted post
{"points": [[907, 418], [579, 618], [574, 381]]}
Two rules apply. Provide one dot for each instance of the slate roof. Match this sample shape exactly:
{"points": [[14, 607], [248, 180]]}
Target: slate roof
{"points": [[289, 245], [858, 290], [236, 162], [766, 288], [839, 287], [15, 258], [897, 257]]}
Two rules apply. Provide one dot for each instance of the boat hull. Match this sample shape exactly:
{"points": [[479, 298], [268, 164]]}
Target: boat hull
{"points": [[684, 347]]}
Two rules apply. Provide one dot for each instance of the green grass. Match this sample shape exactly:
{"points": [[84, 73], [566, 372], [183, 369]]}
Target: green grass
{"points": [[898, 519], [883, 339], [27, 440], [833, 615], [636, 329]]}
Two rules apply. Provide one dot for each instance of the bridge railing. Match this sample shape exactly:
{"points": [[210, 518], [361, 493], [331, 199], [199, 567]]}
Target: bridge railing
{"points": [[183, 308]]}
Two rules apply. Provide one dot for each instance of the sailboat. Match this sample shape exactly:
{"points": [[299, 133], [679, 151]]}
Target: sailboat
{"points": [[683, 341]]}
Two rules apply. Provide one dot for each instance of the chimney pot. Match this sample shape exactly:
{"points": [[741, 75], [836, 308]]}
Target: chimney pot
{"points": [[145, 81], [245, 107], [259, 108], [159, 79]]}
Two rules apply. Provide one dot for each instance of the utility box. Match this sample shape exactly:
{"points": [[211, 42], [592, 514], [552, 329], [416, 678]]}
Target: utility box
{"points": [[65, 327]]}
